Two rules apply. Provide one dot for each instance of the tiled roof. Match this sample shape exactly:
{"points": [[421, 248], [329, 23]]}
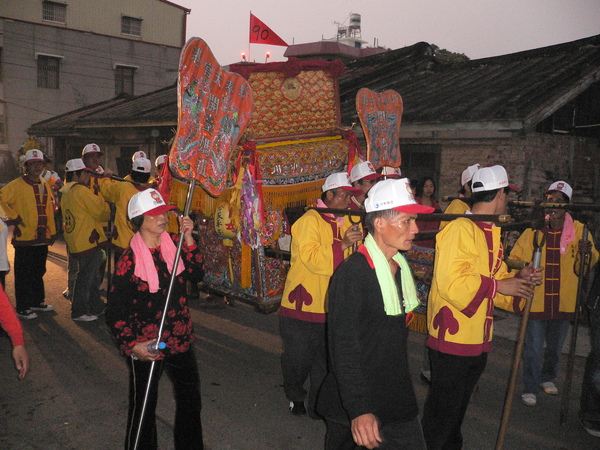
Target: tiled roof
{"points": [[525, 86], [152, 109]]}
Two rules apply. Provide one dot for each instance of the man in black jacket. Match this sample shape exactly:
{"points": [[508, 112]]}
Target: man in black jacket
{"points": [[367, 398]]}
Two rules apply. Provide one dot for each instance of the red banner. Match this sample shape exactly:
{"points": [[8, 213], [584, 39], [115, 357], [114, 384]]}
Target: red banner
{"points": [[215, 107], [262, 34], [380, 116]]}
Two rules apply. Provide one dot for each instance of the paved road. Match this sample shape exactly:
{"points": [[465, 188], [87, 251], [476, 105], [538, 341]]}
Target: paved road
{"points": [[75, 395]]}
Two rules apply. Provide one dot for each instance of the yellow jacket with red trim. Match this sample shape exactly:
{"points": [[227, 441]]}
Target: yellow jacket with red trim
{"points": [[32, 226], [464, 289], [316, 252], [564, 307], [119, 193], [456, 206], [84, 214]]}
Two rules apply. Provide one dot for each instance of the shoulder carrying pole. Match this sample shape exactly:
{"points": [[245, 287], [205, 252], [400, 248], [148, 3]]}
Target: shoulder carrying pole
{"points": [[186, 211], [583, 266]]}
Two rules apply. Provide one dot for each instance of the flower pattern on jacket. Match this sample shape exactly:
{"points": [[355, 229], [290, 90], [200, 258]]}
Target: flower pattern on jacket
{"points": [[133, 313]]}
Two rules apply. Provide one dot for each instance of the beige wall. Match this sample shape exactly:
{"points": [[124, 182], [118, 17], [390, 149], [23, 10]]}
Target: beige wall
{"points": [[104, 17]]}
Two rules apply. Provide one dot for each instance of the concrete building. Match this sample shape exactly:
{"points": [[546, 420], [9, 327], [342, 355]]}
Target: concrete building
{"points": [[58, 56], [345, 46]]}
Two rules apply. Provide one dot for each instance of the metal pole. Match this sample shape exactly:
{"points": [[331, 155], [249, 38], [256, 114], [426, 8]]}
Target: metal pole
{"points": [[164, 315], [583, 263]]}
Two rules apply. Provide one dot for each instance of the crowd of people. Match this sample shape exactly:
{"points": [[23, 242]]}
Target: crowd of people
{"points": [[347, 303], [350, 294], [127, 217]]}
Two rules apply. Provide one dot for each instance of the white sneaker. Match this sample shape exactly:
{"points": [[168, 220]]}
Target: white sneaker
{"points": [[43, 307], [27, 314], [549, 388], [592, 428], [529, 399], [86, 318]]}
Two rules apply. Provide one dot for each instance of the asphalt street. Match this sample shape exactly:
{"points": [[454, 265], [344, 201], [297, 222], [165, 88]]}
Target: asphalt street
{"points": [[75, 396]]}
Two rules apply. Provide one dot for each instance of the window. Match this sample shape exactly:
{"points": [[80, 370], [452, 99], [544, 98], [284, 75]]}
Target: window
{"points": [[124, 80], [131, 26], [420, 160], [48, 68], [54, 12]]}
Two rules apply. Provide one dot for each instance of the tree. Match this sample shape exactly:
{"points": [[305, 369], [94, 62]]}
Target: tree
{"points": [[447, 57]]}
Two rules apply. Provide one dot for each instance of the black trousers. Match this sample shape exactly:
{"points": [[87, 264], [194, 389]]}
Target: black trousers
{"points": [[30, 267], [182, 370], [453, 379], [304, 354], [396, 436]]}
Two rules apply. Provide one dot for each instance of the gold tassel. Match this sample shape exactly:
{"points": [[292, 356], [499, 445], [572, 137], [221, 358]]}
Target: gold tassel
{"points": [[281, 197], [419, 323]]}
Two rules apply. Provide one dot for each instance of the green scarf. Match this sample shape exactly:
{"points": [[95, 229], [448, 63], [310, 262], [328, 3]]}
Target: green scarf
{"points": [[387, 283]]}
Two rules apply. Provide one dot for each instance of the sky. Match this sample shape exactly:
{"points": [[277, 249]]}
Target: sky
{"points": [[477, 28]]}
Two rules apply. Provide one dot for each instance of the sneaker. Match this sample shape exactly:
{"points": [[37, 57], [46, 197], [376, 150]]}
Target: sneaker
{"points": [[549, 388], [86, 318], [529, 399], [591, 427], [66, 294], [43, 307], [297, 408], [27, 314]]}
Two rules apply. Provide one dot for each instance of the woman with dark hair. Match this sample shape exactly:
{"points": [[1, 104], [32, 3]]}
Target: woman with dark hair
{"points": [[134, 310], [425, 197]]}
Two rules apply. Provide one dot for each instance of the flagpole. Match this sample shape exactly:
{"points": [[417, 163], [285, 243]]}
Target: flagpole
{"points": [[249, 34]]}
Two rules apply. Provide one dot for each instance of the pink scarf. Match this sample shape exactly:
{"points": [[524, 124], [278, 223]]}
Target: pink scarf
{"points": [[144, 264], [339, 220], [568, 233]]}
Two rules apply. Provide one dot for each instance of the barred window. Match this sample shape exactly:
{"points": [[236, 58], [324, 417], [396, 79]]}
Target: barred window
{"points": [[131, 26], [54, 12], [124, 80], [48, 69]]}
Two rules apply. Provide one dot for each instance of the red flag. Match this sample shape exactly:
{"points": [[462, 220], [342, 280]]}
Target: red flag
{"points": [[262, 34]]}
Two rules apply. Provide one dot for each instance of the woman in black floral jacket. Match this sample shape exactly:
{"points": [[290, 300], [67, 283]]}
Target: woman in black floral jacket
{"points": [[135, 306]]}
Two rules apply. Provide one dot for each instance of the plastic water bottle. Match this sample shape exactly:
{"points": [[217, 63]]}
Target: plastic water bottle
{"points": [[154, 346]]}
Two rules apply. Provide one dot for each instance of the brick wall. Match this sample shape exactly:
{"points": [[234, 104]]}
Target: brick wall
{"points": [[532, 162]]}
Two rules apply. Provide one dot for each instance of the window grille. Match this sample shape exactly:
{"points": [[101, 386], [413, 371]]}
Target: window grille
{"points": [[54, 12], [48, 68], [124, 80], [131, 26]]}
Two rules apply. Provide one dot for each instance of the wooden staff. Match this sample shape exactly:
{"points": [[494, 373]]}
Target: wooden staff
{"points": [[109, 249], [116, 178], [584, 261], [501, 218], [548, 205], [510, 390], [544, 205]]}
